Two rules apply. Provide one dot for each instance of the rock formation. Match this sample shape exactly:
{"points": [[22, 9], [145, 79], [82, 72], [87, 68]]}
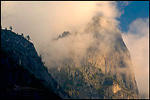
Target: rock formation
{"points": [[106, 69]]}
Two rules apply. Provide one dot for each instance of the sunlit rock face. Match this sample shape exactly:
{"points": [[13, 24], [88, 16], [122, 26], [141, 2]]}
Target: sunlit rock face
{"points": [[105, 71], [116, 88]]}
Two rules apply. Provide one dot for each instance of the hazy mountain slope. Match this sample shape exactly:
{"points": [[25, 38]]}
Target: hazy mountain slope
{"points": [[105, 71], [22, 66]]}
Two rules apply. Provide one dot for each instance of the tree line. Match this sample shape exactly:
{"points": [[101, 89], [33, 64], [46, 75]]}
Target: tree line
{"points": [[27, 37]]}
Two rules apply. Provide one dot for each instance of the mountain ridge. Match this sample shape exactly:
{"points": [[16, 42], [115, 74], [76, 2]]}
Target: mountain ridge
{"points": [[102, 72], [23, 53]]}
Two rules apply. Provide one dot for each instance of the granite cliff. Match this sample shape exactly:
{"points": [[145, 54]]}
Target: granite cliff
{"points": [[105, 72]]}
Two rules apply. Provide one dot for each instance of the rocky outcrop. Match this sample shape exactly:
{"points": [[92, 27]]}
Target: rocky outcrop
{"points": [[64, 34]]}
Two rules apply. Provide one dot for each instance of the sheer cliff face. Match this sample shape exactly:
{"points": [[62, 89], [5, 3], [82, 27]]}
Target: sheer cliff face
{"points": [[105, 71]]}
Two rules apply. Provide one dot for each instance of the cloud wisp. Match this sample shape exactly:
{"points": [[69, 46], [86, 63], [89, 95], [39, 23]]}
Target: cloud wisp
{"points": [[137, 41]]}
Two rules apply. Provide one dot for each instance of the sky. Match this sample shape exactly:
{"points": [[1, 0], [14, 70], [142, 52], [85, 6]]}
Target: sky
{"points": [[44, 21], [134, 23], [132, 11]]}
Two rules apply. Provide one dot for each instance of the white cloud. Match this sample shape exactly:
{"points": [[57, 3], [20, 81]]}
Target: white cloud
{"points": [[137, 41], [43, 20]]}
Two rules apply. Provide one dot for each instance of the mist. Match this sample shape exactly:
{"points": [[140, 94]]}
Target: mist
{"points": [[137, 41], [44, 21]]}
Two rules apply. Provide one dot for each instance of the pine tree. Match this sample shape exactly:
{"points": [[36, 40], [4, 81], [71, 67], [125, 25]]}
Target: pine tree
{"points": [[10, 27], [22, 34], [28, 37]]}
